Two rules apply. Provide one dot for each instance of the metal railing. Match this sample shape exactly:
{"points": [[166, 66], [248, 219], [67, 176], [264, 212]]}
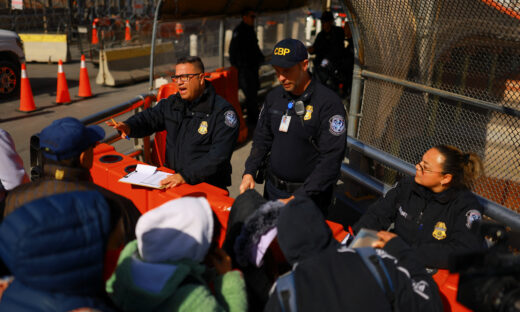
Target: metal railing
{"points": [[491, 209], [439, 72]]}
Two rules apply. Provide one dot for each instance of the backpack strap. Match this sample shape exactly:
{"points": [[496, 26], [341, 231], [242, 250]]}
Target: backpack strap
{"points": [[286, 292], [377, 267]]}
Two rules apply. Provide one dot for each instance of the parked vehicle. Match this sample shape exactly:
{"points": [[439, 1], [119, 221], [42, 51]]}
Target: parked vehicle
{"points": [[11, 58]]}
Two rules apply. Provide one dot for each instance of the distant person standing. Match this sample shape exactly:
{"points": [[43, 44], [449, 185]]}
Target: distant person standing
{"points": [[329, 48], [245, 55]]}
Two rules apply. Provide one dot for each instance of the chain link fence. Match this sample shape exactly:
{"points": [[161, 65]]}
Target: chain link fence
{"points": [[76, 17], [444, 72]]}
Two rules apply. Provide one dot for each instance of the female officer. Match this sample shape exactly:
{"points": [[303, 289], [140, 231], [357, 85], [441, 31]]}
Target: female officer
{"points": [[433, 211]]}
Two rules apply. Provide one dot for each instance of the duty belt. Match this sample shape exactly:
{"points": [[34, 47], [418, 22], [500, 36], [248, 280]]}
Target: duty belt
{"points": [[289, 187]]}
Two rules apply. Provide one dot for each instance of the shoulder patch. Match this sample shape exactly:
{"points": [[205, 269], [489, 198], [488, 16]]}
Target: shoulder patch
{"points": [[337, 125], [472, 216], [230, 118]]}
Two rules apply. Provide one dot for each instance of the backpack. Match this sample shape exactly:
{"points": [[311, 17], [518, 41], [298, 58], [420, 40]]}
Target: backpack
{"points": [[286, 290]]}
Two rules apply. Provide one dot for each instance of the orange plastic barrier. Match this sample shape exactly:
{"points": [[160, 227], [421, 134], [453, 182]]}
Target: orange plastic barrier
{"points": [[448, 286], [226, 86], [337, 230], [109, 166]]}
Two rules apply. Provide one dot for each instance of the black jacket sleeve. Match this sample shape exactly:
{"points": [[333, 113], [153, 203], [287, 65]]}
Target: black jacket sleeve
{"points": [[380, 214], [149, 121], [331, 147], [223, 143], [462, 239], [414, 288], [262, 142]]}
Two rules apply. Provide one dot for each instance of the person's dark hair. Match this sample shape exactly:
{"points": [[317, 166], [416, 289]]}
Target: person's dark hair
{"points": [[245, 11], [465, 168], [195, 60], [327, 16]]}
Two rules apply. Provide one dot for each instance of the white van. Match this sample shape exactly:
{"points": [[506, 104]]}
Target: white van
{"points": [[11, 58]]}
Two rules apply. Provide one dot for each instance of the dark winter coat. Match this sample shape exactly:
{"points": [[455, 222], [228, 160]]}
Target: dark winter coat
{"points": [[54, 247], [243, 48], [329, 277]]}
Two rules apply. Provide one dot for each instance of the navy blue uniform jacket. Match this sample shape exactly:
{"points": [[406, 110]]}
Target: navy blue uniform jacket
{"points": [[294, 157], [201, 135], [436, 225]]}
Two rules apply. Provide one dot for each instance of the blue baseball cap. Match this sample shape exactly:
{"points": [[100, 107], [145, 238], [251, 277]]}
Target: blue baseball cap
{"points": [[67, 138], [288, 53]]}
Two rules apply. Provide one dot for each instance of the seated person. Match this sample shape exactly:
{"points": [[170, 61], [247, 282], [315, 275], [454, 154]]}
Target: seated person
{"points": [[330, 277], [163, 271], [54, 248], [433, 212], [201, 127]]}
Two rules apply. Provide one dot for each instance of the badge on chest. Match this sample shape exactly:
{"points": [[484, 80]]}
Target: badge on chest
{"points": [[439, 231], [203, 128]]}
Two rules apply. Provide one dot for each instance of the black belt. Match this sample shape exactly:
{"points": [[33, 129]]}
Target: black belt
{"points": [[286, 186]]}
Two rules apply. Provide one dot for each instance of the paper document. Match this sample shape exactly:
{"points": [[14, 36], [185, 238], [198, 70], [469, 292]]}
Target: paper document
{"points": [[145, 175], [364, 238]]}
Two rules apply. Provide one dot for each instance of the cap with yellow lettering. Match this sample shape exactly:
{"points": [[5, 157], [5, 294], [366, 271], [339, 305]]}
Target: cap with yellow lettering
{"points": [[288, 53]]}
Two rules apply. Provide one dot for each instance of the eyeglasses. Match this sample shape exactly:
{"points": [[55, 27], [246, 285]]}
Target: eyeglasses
{"points": [[423, 170], [184, 77]]}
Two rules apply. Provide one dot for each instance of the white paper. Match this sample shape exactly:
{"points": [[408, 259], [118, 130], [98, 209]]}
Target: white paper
{"points": [[145, 175]]}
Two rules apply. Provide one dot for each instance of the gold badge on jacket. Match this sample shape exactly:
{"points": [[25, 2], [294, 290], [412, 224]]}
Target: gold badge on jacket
{"points": [[308, 112], [439, 231], [203, 128]]}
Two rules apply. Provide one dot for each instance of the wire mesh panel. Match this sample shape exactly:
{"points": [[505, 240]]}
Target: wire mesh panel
{"points": [[468, 48]]}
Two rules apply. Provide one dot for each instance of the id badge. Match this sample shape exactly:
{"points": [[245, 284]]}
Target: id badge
{"points": [[284, 124]]}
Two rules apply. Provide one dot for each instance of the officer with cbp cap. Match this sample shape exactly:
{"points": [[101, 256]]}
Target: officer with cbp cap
{"points": [[300, 133]]}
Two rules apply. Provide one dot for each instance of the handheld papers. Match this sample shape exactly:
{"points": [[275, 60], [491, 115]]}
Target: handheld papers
{"points": [[364, 238], [145, 175]]}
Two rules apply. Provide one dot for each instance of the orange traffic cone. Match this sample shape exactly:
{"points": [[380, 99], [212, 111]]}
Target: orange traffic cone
{"points": [[62, 91], [84, 82], [26, 96], [128, 37], [95, 39]]}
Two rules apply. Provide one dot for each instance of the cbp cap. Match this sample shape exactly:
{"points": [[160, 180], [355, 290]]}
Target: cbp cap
{"points": [[288, 53]]}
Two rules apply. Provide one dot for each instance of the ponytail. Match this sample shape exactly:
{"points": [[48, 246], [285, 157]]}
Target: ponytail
{"points": [[465, 168]]}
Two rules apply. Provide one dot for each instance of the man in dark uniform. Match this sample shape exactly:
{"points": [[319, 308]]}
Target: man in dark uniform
{"points": [[246, 56], [201, 126], [302, 128], [329, 48]]}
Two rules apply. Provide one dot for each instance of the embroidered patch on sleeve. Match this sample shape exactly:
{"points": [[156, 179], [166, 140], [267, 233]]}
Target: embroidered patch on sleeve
{"points": [[337, 125], [230, 119]]}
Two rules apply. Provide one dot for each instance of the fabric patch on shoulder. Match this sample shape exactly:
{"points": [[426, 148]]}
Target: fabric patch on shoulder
{"points": [[230, 118], [337, 125], [472, 216]]}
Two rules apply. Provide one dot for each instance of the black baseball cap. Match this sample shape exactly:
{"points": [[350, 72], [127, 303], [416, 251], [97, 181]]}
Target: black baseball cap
{"points": [[288, 53]]}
